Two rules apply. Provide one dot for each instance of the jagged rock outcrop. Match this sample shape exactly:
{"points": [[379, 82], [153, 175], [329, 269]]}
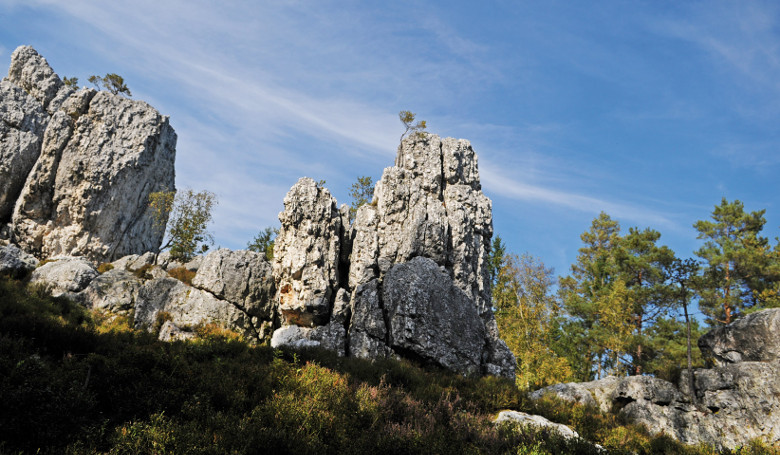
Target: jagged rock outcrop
{"points": [[22, 123], [413, 262], [77, 167], [306, 254], [735, 402]]}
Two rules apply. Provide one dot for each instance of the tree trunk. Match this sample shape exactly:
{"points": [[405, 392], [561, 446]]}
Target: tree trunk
{"points": [[691, 382]]}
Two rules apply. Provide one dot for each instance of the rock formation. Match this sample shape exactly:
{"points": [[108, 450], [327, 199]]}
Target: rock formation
{"points": [[408, 278], [736, 401], [77, 167], [437, 309]]}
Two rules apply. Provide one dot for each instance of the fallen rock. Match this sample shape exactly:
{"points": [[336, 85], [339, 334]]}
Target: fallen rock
{"points": [[65, 275], [115, 291], [537, 422], [170, 332], [15, 262]]}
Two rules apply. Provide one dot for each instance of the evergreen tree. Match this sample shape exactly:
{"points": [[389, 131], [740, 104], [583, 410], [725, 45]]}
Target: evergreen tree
{"points": [[736, 261], [361, 192], [264, 242]]}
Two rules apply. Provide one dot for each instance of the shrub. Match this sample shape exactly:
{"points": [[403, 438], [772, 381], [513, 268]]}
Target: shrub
{"points": [[144, 272], [182, 274], [105, 267]]}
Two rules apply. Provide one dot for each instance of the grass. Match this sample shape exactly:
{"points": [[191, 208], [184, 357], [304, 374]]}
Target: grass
{"points": [[75, 382]]}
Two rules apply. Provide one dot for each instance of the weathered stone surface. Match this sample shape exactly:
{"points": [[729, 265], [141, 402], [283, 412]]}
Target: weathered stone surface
{"points": [[597, 393], [22, 123], [15, 262], [133, 262], [306, 254], [187, 306], [754, 337], [32, 73], [535, 421], [87, 195], [170, 332], [432, 319], [241, 277], [332, 336], [66, 275], [115, 291], [734, 402], [368, 329]]}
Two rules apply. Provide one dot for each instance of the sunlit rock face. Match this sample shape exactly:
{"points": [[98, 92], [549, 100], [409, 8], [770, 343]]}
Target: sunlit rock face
{"points": [[77, 167], [736, 401], [429, 205]]}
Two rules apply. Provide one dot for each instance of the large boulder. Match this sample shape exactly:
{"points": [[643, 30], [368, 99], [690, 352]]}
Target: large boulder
{"points": [[751, 338], [77, 167], [306, 254], [241, 277], [15, 262], [65, 275], [432, 319]]}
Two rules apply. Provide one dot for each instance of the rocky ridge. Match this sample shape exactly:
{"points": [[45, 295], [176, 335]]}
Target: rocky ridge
{"points": [[407, 278], [77, 166], [735, 401]]}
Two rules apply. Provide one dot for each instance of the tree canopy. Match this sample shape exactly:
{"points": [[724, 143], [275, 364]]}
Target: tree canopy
{"points": [[184, 218]]}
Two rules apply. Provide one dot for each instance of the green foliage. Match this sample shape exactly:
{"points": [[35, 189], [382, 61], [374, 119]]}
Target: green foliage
{"points": [[144, 272], [618, 288], [71, 82], [738, 264], [112, 82], [361, 192], [264, 242], [416, 130], [184, 216]]}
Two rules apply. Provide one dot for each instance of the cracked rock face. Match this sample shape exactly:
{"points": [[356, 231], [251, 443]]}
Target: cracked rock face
{"points": [[735, 402], [413, 261], [241, 277], [306, 254], [432, 319], [752, 338], [77, 168]]}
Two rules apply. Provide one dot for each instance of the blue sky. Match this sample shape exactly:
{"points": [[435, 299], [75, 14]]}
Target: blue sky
{"points": [[651, 111]]}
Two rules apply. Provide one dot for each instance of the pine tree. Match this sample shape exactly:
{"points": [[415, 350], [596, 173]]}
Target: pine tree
{"points": [[736, 261]]}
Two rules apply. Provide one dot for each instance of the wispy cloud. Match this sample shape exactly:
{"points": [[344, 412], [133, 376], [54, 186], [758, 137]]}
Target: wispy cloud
{"points": [[495, 181]]}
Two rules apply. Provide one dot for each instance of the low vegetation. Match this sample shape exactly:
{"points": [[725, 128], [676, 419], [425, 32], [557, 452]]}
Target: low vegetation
{"points": [[74, 382]]}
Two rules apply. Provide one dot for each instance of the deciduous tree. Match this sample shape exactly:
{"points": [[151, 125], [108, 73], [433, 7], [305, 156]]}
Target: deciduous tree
{"points": [[184, 217]]}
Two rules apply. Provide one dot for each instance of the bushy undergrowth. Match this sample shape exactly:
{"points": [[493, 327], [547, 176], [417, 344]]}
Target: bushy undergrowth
{"points": [[73, 382]]}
